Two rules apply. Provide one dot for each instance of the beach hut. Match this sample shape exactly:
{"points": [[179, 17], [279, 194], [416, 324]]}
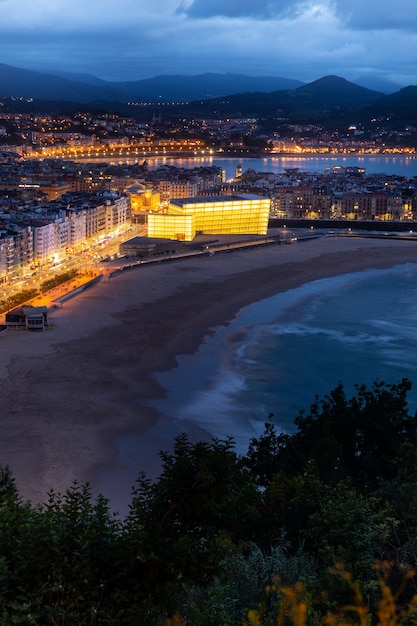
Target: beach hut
{"points": [[28, 318]]}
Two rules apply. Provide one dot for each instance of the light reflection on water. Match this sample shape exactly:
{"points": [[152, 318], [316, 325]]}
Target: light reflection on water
{"points": [[400, 165], [392, 165]]}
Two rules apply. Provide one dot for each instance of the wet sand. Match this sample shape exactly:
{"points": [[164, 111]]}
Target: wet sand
{"points": [[70, 396]]}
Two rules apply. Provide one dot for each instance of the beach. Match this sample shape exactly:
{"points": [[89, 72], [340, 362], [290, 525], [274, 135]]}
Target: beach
{"points": [[68, 396]]}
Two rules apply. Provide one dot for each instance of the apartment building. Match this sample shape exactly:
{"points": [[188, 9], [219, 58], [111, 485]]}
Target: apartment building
{"points": [[168, 189], [365, 206], [118, 211], [44, 244], [7, 258]]}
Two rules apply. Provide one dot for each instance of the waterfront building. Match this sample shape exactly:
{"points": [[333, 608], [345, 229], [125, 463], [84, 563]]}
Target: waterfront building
{"points": [[6, 256], [77, 228], [95, 223], [44, 244], [245, 214], [365, 206], [27, 318], [293, 201], [23, 247]]}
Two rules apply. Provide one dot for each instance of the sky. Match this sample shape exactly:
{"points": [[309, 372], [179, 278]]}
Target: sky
{"points": [[121, 40]]}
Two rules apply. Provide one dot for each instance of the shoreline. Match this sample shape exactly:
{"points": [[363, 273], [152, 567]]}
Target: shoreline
{"points": [[75, 400], [227, 155]]}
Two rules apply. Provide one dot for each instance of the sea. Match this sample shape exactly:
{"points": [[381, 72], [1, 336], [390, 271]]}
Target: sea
{"points": [[280, 354], [272, 362]]}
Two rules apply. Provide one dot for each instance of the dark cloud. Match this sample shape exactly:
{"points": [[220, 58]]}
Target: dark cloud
{"points": [[377, 15], [304, 39], [260, 9]]}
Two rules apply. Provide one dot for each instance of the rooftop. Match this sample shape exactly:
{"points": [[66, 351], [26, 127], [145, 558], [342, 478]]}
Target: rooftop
{"points": [[213, 199]]}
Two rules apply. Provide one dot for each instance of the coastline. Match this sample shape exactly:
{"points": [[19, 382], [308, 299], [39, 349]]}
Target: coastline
{"points": [[70, 395]]}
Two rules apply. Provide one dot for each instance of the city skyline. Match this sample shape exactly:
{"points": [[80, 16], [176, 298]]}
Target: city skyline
{"points": [[296, 39]]}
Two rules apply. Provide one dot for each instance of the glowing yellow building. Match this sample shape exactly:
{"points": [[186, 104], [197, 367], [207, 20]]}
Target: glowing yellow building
{"points": [[244, 214], [142, 199]]}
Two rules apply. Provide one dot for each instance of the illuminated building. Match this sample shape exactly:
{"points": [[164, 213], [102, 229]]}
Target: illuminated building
{"points": [[142, 198], [177, 189], [7, 256], [243, 214], [365, 206], [43, 240]]}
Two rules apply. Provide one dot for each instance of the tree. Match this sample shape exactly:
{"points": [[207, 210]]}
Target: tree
{"points": [[185, 522], [347, 527], [265, 454], [358, 438], [58, 561]]}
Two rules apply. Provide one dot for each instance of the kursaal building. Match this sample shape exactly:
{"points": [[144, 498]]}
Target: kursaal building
{"points": [[244, 214]]}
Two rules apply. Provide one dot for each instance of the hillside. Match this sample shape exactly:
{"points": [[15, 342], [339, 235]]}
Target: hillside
{"points": [[326, 101], [20, 83], [328, 98], [333, 91], [16, 82]]}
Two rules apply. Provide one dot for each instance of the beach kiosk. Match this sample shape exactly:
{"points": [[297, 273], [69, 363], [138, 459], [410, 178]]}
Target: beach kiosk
{"points": [[28, 318]]}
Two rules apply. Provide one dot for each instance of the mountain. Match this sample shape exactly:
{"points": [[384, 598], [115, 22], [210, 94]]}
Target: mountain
{"points": [[87, 88], [20, 83], [180, 88], [88, 79], [333, 91], [325, 98], [400, 105], [377, 84], [204, 86]]}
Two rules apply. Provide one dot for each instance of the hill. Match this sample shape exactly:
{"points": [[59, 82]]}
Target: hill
{"points": [[326, 101], [376, 83], [204, 86], [20, 83], [333, 91], [182, 88], [16, 82], [402, 104]]}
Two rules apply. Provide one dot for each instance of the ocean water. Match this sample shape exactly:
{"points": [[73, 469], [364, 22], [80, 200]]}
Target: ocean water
{"points": [[278, 354]]}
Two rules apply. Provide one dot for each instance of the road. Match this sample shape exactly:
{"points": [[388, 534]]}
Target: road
{"points": [[88, 262]]}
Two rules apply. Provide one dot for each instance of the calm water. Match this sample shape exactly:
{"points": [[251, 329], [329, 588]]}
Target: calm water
{"points": [[376, 164], [380, 164], [279, 353]]}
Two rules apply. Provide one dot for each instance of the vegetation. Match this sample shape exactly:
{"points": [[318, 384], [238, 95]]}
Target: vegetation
{"points": [[58, 279], [17, 299], [318, 527], [6, 304]]}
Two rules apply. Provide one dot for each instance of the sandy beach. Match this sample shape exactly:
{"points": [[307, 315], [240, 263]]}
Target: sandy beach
{"points": [[70, 394]]}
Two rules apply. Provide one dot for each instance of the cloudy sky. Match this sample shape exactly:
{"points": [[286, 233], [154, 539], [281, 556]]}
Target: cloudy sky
{"points": [[133, 39]]}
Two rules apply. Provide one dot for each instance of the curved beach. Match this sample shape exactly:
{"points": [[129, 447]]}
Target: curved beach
{"points": [[70, 395]]}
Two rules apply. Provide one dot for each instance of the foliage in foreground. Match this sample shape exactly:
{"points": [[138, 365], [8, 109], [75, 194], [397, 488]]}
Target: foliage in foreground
{"points": [[221, 539]]}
